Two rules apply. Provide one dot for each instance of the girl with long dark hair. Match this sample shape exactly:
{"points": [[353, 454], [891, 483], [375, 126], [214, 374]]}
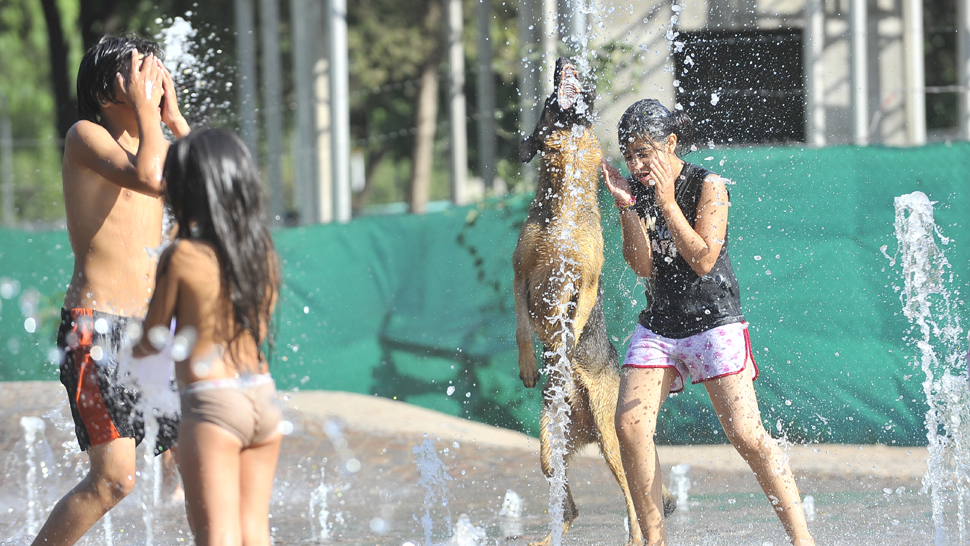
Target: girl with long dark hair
{"points": [[674, 217], [220, 281]]}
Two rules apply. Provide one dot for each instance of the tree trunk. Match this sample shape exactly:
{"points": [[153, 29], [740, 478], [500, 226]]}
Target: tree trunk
{"points": [[363, 197], [427, 115], [65, 106], [97, 18]]}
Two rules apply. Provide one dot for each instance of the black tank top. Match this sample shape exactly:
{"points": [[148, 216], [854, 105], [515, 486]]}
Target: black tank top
{"points": [[679, 302]]}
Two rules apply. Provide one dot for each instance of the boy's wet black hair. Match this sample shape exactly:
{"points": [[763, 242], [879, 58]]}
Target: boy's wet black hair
{"points": [[99, 67], [651, 119], [214, 189]]}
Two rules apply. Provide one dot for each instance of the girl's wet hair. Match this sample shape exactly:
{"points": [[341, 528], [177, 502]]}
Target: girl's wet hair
{"points": [[651, 119], [96, 73], [214, 190]]}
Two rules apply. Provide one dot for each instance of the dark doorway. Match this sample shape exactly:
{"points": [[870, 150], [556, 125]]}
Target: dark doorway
{"points": [[742, 87]]}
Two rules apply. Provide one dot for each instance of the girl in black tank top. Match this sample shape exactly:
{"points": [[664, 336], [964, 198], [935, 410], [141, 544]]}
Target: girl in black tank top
{"points": [[674, 219]]}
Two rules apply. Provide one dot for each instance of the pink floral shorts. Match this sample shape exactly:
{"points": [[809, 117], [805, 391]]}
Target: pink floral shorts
{"points": [[722, 351]]}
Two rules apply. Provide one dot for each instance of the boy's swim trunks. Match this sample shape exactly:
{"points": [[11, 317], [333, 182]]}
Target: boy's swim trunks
{"points": [[719, 352], [246, 406], [103, 407]]}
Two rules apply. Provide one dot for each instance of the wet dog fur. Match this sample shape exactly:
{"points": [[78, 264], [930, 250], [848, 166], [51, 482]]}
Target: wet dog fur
{"points": [[557, 264]]}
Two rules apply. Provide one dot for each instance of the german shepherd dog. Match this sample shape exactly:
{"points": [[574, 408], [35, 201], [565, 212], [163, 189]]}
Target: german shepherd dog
{"points": [[557, 263]]}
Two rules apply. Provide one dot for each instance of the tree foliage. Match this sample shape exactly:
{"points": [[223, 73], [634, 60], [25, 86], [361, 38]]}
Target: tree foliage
{"points": [[389, 43]]}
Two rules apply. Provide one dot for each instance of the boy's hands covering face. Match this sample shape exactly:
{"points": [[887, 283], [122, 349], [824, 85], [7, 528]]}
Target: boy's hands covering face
{"points": [[143, 86], [171, 116]]}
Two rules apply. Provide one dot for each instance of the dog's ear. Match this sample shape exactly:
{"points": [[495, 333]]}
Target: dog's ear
{"points": [[528, 149]]}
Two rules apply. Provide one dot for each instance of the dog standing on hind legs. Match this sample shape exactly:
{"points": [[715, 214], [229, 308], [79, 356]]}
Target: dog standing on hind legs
{"points": [[558, 296]]}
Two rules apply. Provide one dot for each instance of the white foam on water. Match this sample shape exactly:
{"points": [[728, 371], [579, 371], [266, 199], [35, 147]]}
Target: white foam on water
{"points": [[928, 305]]}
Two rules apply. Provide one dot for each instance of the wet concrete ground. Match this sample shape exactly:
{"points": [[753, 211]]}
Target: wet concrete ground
{"points": [[383, 502]]}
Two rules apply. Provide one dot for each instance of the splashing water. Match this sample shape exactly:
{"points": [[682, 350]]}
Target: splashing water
{"points": [[466, 534], [349, 463], [151, 494], [808, 506], [511, 505], [510, 513], [318, 509], [434, 479], [680, 486], [203, 85], [928, 305], [33, 427]]}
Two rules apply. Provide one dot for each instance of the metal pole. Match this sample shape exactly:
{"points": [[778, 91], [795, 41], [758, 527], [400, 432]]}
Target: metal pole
{"points": [[577, 29], [456, 104], [272, 100], [246, 76], [915, 76], [814, 46], [6, 158], [305, 179], [340, 109], [485, 86], [324, 123], [860, 71], [963, 66], [549, 40], [528, 78]]}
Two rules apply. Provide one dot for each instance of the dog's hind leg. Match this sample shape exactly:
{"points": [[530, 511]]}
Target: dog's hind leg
{"points": [[528, 370]]}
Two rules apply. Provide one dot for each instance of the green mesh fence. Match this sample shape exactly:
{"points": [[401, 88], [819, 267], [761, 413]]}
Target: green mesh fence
{"points": [[419, 308]]}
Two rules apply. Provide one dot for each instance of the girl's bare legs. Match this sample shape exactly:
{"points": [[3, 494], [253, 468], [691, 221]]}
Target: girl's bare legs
{"points": [[642, 392], [257, 471], [209, 461], [734, 401]]}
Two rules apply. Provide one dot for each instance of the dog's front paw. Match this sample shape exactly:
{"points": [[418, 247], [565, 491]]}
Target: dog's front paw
{"points": [[528, 372], [530, 379]]}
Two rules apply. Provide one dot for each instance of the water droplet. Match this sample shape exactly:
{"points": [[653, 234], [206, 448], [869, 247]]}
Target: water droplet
{"points": [[101, 326], [8, 288], [200, 369], [352, 466], [30, 325], [133, 331], [158, 336]]}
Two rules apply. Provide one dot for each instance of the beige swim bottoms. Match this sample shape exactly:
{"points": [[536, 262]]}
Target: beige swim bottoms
{"points": [[246, 406]]}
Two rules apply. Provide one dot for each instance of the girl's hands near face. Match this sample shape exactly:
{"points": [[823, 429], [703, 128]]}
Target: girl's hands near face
{"points": [[618, 186], [662, 177]]}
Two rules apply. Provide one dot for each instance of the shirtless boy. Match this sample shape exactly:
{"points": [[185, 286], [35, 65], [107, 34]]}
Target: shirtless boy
{"points": [[112, 177]]}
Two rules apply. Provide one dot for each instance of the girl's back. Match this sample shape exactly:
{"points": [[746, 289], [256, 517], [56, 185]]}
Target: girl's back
{"points": [[203, 313]]}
